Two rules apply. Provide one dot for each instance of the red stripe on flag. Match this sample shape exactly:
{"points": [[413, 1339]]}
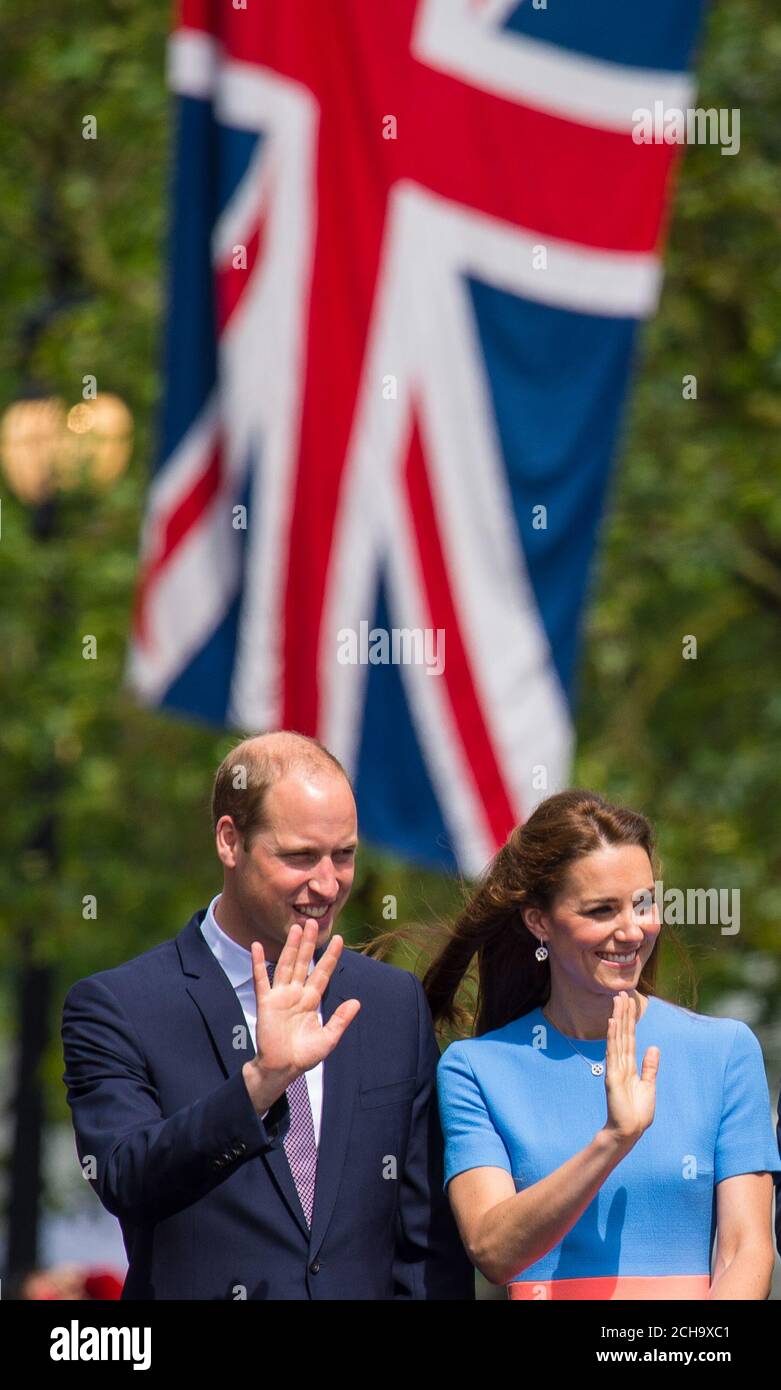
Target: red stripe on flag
{"points": [[231, 282]]}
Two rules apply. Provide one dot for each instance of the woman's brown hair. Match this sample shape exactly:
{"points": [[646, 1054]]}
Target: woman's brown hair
{"points": [[528, 871]]}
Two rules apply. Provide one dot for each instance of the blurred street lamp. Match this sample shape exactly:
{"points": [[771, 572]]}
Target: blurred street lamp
{"points": [[43, 449], [46, 450]]}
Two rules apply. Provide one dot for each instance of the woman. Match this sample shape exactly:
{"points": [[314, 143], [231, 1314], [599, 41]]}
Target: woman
{"points": [[571, 1174]]}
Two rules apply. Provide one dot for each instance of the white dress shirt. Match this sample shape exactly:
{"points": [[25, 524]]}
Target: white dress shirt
{"points": [[237, 964]]}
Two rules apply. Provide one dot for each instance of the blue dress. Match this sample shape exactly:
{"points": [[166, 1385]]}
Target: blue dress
{"points": [[521, 1099]]}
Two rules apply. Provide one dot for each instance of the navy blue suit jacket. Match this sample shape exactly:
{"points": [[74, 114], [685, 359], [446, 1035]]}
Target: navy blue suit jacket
{"points": [[202, 1187]]}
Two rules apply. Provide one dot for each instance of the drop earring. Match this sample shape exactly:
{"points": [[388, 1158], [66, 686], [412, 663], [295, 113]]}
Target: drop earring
{"points": [[541, 953]]}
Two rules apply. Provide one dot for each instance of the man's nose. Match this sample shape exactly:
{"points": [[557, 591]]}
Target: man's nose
{"points": [[324, 881]]}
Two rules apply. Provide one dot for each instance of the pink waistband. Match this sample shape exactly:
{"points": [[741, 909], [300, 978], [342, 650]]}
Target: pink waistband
{"points": [[606, 1287]]}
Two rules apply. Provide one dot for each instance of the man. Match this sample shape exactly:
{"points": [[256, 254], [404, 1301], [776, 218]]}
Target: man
{"points": [[307, 1166]]}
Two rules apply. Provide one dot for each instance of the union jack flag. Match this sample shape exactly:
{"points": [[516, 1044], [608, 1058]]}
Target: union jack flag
{"points": [[411, 244]]}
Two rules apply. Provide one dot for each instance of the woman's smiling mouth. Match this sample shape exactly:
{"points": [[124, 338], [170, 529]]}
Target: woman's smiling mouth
{"points": [[618, 959]]}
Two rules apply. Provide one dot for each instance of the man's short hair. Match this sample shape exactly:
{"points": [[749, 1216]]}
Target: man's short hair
{"points": [[254, 765]]}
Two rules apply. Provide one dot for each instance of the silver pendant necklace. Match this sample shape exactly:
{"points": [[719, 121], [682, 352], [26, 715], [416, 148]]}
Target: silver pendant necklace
{"points": [[597, 1068]]}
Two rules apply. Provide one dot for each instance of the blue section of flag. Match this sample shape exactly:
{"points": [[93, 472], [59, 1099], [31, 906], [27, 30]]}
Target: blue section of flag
{"points": [[659, 36], [203, 687], [397, 807], [235, 150], [211, 161], [190, 352], [558, 382]]}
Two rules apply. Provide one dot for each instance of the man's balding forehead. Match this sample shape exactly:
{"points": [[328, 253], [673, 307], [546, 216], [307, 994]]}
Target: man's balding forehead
{"points": [[288, 750], [284, 743], [256, 764]]}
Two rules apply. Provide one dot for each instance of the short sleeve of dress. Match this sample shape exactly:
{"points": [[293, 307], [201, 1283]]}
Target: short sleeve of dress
{"points": [[471, 1140], [745, 1142], [777, 1178]]}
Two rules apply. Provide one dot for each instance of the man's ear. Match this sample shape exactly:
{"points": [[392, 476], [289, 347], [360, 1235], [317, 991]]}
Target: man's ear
{"points": [[228, 841]]}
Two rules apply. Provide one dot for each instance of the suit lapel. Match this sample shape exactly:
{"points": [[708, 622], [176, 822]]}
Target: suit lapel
{"points": [[214, 996], [217, 1002]]}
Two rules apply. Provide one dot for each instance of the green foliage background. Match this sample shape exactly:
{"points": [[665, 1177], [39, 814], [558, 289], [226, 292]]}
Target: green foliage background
{"points": [[691, 542]]}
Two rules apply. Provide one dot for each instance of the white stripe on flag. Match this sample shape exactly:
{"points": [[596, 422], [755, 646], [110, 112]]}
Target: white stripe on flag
{"points": [[453, 36], [192, 63]]}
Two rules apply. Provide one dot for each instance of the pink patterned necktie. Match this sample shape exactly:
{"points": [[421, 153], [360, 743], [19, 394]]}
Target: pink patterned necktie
{"points": [[299, 1141]]}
